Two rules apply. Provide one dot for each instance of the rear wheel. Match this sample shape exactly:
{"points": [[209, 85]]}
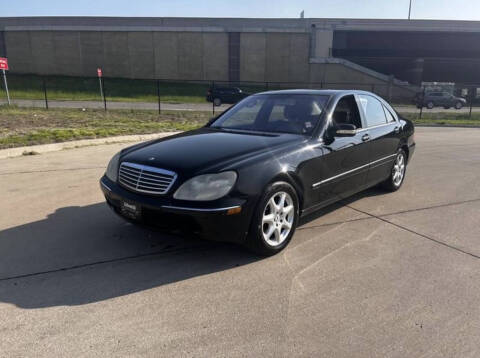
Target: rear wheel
{"points": [[275, 220], [217, 101], [458, 105], [397, 175]]}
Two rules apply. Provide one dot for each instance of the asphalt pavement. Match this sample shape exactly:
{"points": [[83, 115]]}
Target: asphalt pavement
{"points": [[380, 275]]}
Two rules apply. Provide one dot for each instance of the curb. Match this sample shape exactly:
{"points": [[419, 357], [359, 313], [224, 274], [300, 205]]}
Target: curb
{"points": [[53, 147]]}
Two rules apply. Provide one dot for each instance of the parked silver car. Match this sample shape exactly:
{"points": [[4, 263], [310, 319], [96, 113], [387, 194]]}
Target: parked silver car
{"points": [[439, 99]]}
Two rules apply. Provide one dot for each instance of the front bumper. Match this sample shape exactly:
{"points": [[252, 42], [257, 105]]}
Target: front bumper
{"points": [[209, 220]]}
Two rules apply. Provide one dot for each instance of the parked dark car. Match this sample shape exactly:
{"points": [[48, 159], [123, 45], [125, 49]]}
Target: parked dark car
{"points": [[251, 173], [439, 99], [219, 95]]}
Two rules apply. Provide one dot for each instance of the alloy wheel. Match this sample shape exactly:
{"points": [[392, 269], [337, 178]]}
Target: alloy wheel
{"points": [[398, 169], [278, 218]]}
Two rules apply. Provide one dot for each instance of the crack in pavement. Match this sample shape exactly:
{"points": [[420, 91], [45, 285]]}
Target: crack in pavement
{"points": [[370, 216], [166, 250], [439, 242]]}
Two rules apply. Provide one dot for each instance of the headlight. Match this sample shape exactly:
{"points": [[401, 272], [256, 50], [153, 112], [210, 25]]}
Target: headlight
{"points": [[206, 187], [112, 168]]}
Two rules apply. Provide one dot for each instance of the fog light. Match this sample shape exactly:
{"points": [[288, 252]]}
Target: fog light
{"points": [[234, 211]]}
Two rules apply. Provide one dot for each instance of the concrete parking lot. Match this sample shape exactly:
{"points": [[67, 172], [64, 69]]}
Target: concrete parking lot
{"points": [[381, 275]]}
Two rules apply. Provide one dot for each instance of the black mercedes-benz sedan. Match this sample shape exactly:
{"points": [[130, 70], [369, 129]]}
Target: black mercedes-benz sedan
{"points": [[250, 173]]}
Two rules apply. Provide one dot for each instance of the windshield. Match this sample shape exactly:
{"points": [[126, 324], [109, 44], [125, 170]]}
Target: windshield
{"points": [[278, 113]]}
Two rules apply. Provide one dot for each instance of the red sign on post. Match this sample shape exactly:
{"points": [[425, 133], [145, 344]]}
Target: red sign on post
{"points": [[99, 72], [3, 63]]}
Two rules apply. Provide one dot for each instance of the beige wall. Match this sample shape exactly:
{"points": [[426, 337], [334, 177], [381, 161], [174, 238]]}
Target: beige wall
{"points": [[136, 54], [264, 56]]}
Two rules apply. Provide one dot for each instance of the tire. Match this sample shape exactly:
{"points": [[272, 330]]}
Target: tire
{"points": [[217, 102], [458, 105], [272, 227], [393, 183], [430, 105]]}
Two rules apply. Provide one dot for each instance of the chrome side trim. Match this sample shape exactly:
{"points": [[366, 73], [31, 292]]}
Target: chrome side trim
{"points": [[199, 209], [351, 171], [105, 186]]}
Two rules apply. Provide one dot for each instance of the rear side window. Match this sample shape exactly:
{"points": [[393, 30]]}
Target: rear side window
{"points": [[373, 110], [390, 117]]}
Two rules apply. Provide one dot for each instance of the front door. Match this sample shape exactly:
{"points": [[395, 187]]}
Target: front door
{"points": [[342, 170]]}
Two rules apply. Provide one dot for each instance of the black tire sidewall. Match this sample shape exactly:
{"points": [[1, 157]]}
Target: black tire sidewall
{"points": [[430, 105], [217, 102], [255, 240], [458, 105]]}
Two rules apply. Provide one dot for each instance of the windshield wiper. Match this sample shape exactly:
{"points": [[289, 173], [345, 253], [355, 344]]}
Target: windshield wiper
{"points": [[247, 131]]}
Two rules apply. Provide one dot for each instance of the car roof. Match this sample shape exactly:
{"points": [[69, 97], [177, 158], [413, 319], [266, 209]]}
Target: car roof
{"points": [[325, 92]]}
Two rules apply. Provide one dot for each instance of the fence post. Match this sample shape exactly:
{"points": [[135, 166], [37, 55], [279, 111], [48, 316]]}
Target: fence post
{"points": [[158, 94], [472, 96], [213, 99], [422, 103], [104, 94], [45, 92], [390, 87]]}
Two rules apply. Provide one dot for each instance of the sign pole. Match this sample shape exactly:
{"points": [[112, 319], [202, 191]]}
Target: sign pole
{"points": [[101, 87], [6, 86], [99, 74], [100, 82]]}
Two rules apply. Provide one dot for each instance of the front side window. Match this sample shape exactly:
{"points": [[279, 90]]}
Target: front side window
{"points": [[373, 110], [277, 113], [346, 112]]}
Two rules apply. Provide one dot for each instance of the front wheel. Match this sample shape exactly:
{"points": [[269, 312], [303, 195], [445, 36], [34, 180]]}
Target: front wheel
{"points": [[458, 105], [275, 220], [430, 105], [217, 102], [397, 175]]}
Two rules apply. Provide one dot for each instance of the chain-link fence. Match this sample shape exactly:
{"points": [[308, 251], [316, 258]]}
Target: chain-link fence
{"points": [[454, 102]]}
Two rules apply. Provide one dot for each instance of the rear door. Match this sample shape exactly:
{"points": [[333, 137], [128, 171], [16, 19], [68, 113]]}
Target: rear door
{"points": [[382, 133]]}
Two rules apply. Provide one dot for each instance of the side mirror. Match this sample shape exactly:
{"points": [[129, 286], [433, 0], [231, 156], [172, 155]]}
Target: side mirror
{"points": [[345, 130]]}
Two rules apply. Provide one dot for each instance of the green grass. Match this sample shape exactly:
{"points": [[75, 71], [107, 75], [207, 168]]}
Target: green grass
{"points": [[444, 118], [26, 126], [117, 89]]}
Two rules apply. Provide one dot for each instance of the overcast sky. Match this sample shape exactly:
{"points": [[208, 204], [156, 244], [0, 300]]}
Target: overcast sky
{"points": [[421, 9]]}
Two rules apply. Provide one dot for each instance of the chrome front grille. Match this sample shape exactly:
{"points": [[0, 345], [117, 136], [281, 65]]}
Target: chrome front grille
{"points": [[145, 179]]}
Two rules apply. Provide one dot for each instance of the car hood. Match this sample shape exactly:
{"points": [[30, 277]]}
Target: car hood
{"points": [[204, 150]]}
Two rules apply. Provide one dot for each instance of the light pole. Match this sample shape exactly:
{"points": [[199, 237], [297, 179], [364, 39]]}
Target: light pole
{"points": [[410, 9]]}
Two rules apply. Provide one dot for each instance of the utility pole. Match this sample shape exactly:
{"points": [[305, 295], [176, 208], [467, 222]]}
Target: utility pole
{"points": [[410, 9]]}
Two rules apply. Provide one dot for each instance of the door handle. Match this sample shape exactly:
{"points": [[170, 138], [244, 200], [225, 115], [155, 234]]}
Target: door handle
{"points": [[365, 137]]}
